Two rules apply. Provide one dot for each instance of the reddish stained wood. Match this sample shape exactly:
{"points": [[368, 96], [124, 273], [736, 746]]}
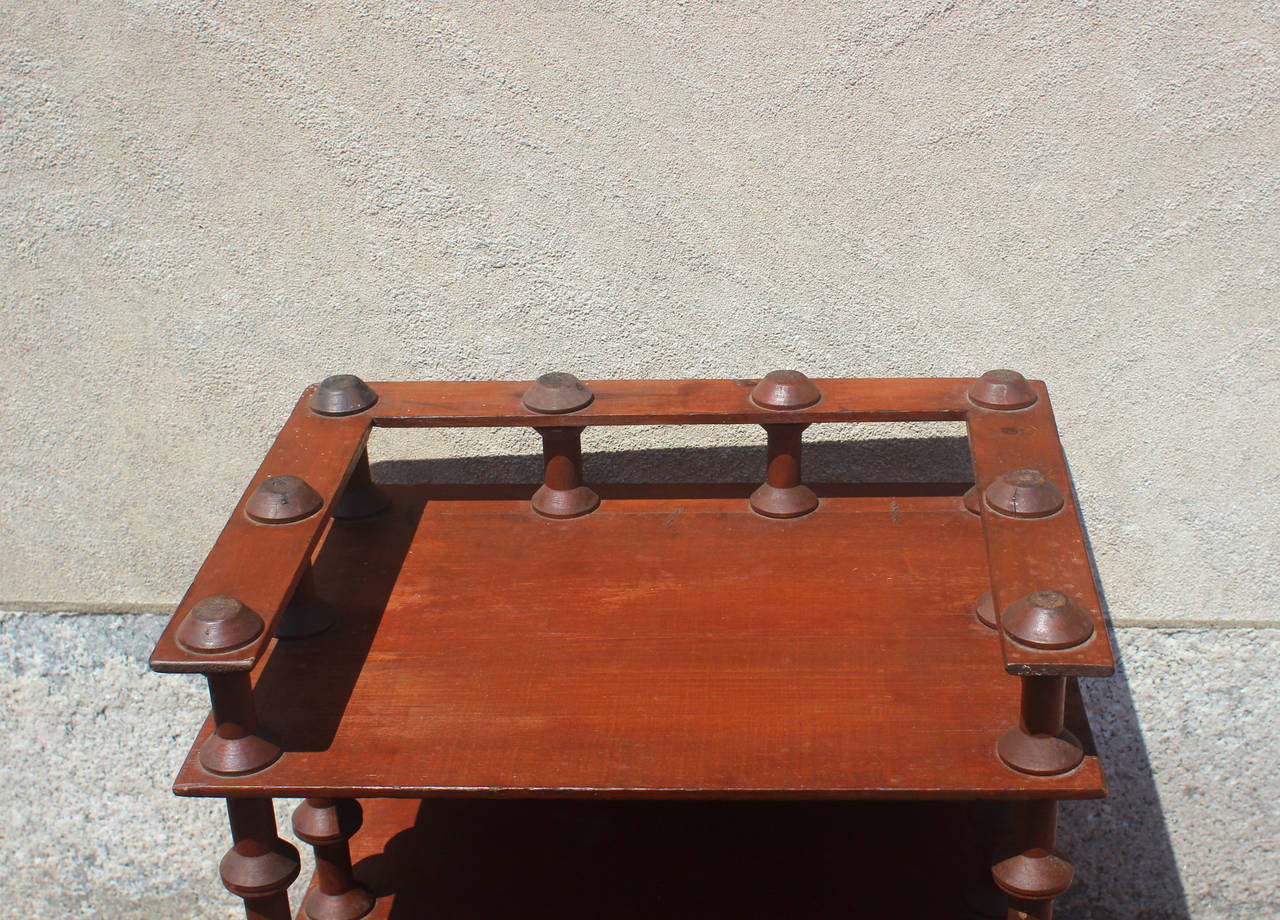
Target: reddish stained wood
{"points": [[672, 645], [666, 645], [1033, 554], [663, 402], [260, 564]]}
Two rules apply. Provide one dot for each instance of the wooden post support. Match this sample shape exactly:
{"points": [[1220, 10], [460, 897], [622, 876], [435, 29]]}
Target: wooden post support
{"points": [[973, 498], [360, 498], [1040, 744], [260, 866], [328, 825], [984, 608], [1034, 873], [235, 748], [562, 494], [783, 495], [308, 614]]}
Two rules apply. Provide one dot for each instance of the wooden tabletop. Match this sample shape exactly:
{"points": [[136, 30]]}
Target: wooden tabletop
{"points": [[671, 644]]}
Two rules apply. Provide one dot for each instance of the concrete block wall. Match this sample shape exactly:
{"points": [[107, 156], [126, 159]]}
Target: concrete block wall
{"points": [[204, 207]]}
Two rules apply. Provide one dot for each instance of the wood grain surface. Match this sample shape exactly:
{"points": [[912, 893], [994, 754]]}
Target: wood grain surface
{"points": [[261, 564], [660, 402], [1035, 554], [672, 643]]}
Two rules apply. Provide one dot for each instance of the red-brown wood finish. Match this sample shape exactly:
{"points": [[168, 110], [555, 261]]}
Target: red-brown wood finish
{"points": [[464, 404], [234, 745], [260, 564], [671, 643], [783, 495], [260, 866], [562, 493], [328, 825], [1036, 554], [660, 646], [1034, 872]]}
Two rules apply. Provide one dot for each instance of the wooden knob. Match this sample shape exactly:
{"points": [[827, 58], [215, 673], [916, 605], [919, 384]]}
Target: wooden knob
{"points": [[556, 394], [1024, 494], [1002, 389], [320, 821], [1048, 620], [1034, 876], [218, 624], [282, 500], [342, 394], [781, 390]]}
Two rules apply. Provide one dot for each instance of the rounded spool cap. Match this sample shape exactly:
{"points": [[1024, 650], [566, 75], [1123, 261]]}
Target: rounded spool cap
{"points": [[282, 500], [1024, 494], [984, 608], [238, 756], [1047, 620], [1002, 389], [1040, 755], [1036, 877], [793, 501], [562, 504], [782, 390], [352, 904], [218, 624], [321, 821], [259, 874], [556, 394], [342, 394]]}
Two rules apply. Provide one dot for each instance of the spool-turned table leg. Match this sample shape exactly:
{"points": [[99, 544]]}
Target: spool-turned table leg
{"points": [[328, 825], [1035, 873], [260, 866]]}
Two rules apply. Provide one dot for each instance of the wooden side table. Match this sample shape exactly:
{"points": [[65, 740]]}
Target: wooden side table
{"points": [[893, 643]]}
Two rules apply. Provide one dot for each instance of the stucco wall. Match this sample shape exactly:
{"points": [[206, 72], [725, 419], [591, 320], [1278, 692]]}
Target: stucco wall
{"points": [[204, 207]]}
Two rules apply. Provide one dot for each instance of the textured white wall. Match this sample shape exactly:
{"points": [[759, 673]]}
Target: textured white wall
{"points": [[203, 207]]}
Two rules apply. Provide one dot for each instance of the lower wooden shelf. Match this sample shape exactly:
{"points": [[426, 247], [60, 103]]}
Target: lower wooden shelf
{"points": [[635, 859]]}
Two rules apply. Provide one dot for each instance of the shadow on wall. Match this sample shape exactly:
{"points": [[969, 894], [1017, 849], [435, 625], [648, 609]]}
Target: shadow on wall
{"points": [[1120, 845], [926, 459]]}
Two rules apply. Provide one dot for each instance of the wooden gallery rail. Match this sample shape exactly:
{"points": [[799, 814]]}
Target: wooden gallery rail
{"points": [[798, 640]]}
